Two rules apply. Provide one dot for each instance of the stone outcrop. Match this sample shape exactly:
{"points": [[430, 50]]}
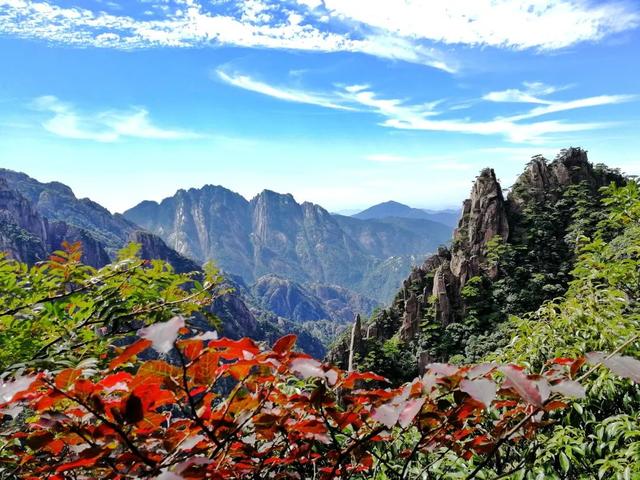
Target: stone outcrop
{"points": [[433, 291], [28, 236], [355, 345], [152, 247]]}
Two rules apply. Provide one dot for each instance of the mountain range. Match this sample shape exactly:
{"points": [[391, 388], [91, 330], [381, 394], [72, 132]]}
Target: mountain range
{"points": [[302, 242], [292, 267]]}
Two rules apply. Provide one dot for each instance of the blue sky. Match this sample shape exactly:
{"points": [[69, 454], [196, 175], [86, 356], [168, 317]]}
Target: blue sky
{"points": [[345, 103]]}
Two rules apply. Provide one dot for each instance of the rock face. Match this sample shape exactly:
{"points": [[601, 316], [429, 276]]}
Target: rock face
{"points": [[434, 291], [26, 235], [57, 202], [484, 216], [152, 247], [300, 303], [273, 234]]}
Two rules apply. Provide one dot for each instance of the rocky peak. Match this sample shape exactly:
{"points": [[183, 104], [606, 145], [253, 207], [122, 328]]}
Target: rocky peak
{"points": [[434, 291], [484, 215], [543, 178], [16, 209], [355, 345]]}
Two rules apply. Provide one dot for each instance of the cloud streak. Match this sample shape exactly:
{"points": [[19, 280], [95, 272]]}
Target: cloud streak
{"points": [[402, 115], [401, 30], [106, 126]]}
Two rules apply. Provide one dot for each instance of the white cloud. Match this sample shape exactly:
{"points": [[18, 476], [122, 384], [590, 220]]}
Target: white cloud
{"points": [[554, 107], [287, 94], [400, 114], [520, 24], [106, 126], [530, 94], [256, 23], [404, 30]]}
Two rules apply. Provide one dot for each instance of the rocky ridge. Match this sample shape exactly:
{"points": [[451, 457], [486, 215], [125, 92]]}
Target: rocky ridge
{"points": [[434, 292], [28, 235], [302, 242]]}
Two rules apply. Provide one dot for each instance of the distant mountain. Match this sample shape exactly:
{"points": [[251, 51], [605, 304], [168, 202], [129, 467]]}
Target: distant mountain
{"points": [[395, 209], [35, 218], [273, 234], [311, 302], [57, 203]]}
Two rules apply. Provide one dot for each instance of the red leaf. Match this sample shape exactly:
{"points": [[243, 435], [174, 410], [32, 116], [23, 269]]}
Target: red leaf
{"points": [[233, 349], [191, 348], [205, 367], [354, 377], [82, 462], [285, 344], [575, 366], [112, 380], [480, 389], [129, 352], [563, 361], [555, 405], [66, 378], [534, 392]]}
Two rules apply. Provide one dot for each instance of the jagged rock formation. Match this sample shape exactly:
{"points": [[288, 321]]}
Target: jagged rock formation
{"points": [[57, 202], [356, 342], [457, 284], [273, 234], [28, 236]]}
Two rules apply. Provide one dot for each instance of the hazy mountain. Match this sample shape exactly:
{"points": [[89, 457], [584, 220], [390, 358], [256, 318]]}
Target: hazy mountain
{"points": [[273, 234], [395, 209], [31, 228], [310, 302]]}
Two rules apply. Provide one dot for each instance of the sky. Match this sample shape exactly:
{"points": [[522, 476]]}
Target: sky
{"points": [[345, 103]]}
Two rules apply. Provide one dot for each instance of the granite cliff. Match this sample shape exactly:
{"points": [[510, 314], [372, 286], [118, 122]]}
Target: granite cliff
{"points": [[304, 243], [507, 256]]}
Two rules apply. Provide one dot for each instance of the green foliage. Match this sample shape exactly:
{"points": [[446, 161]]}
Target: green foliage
{"points": [[63, 311], [597, 437], [600, 437], [391, 359]]}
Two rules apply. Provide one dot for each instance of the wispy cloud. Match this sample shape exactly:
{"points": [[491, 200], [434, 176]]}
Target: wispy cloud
{"points": [[530, 94], [187, 23], [401, 30], [403, 115], [561, 106], [287, 94], [106, 126]]}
